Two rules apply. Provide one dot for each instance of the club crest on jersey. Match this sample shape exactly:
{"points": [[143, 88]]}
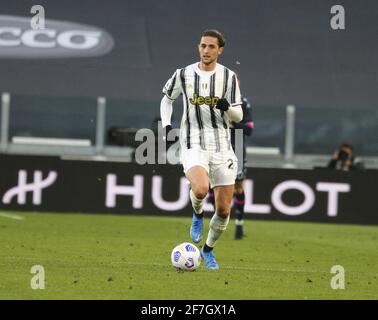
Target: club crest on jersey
{"points": [[198, 100]]}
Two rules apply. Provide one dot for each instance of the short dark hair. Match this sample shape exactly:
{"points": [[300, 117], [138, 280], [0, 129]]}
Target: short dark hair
{"points": [[215, 34], [347, 145]]}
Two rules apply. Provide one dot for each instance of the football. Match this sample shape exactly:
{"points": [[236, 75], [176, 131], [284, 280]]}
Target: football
{"points": [[186, 257]]}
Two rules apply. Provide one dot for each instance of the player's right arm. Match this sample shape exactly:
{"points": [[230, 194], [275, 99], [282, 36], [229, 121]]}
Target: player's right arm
{"points": [[166, 110], [171, 90]]}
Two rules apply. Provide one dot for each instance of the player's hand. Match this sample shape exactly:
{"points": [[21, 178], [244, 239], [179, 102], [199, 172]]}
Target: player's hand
{"points": [[222, 104], [166, 131]]}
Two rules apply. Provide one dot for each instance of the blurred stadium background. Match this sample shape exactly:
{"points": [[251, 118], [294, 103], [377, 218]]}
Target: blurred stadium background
{"points": [[75, 111], [286, 54]]}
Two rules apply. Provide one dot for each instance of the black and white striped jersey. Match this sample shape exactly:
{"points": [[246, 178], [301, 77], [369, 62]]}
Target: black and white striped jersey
{"points": [[202, 125]]}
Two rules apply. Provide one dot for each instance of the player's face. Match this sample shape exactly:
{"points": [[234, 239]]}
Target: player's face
{"points": [[209, 50]]}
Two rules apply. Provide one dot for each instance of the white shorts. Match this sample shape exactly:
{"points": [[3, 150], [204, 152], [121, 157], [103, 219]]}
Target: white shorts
{"points": [[222, 167]]}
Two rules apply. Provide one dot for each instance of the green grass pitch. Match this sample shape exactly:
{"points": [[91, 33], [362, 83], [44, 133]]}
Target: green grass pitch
{"points": [[128, 257]]}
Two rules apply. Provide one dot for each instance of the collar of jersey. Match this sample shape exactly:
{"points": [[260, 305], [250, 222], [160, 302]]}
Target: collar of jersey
{"points": [[205, 73]]}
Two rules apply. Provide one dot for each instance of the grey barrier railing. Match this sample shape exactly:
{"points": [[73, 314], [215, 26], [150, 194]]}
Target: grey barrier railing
{"points": [[97, 147]]}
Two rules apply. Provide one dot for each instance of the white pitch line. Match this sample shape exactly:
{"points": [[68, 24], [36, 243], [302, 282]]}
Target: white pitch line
{"points": [[11, 216]]}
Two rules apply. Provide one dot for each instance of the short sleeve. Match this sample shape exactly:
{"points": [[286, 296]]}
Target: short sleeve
{"points": [[172, 88]]}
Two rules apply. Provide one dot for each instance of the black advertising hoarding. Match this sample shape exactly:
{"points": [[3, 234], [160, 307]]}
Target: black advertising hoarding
{"points": [[30, 183]]}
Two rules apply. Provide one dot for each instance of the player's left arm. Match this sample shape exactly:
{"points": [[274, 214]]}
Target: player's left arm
{"points": [[247, 124], [235, 113], [231, 104]]}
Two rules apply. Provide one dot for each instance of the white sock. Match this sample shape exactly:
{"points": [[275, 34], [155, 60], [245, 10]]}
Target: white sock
{"points": [[197, 204], [217, 226], [239, 222]]}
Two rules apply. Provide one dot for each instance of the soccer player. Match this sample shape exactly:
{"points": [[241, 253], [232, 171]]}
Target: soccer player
{"points": [[212, 100]]}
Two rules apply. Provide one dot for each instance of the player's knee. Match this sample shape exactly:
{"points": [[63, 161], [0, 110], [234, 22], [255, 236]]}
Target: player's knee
{"points": [[200, 192], [238, 188], [223, 212]]}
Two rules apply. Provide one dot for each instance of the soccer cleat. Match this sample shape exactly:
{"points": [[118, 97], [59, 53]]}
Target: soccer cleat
{"points": [[196, 229], [239, 232], [209, 258]]}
